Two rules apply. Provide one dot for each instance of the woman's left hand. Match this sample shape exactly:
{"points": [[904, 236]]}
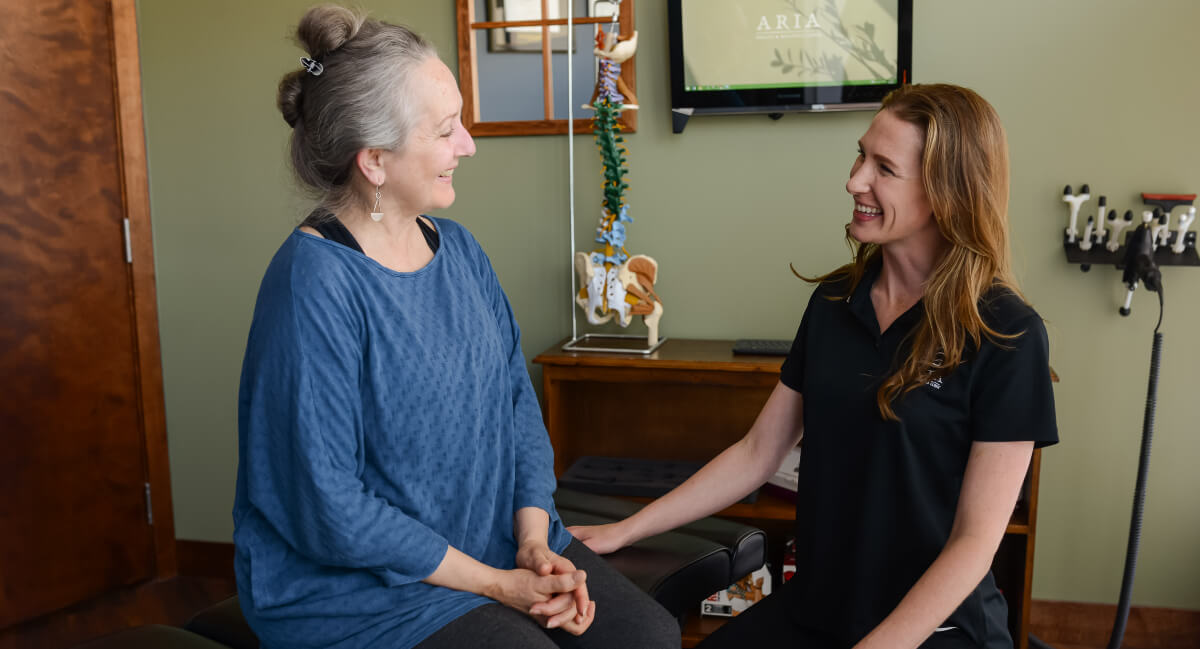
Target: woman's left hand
{"points": [[568, 610]]}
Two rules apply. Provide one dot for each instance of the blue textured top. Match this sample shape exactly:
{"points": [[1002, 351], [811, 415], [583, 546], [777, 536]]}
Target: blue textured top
{"points": [[382, 416]]}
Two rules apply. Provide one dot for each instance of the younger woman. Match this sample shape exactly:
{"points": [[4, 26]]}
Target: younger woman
{"points": [[920, 384]]}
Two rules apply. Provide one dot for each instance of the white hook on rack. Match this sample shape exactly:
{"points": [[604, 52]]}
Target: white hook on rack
{"points": [[1185, 221], [1075, 201]]}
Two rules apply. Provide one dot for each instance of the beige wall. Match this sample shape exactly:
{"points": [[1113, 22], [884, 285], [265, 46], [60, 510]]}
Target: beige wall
{"points": [[1104, 93]]}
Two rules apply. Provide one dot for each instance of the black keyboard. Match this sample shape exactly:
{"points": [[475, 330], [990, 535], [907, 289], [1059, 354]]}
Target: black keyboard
{"points": [[762, 346]]}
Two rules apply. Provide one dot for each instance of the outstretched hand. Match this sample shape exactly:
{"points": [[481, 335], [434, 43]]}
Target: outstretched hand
{"points": [[601, 539]]}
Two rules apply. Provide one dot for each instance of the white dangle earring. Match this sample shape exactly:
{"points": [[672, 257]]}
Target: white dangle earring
{"points": [[376, 215]]}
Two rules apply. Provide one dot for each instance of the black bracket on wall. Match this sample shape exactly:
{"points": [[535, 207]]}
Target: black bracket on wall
{"points": [[1149, 244], [1094, 246]]}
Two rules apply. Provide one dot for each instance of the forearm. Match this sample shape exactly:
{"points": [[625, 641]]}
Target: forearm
{"points": [[459, 571], [727, 478], [991, 483], [531, 525], [956, 572]]}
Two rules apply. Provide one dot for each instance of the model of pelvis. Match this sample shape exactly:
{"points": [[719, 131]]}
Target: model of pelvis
{"points": [[620, 291], [614, 284]]}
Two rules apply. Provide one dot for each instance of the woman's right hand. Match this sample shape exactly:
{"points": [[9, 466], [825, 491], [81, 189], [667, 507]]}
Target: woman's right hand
{"points": [[570, 617], [602, 539]]}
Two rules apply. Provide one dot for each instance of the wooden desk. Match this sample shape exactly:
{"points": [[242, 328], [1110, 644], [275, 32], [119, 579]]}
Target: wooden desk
{"points": [[691, 399]]}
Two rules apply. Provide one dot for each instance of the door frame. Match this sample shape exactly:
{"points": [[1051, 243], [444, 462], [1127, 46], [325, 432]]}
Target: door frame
{"points": [[135, 194]]}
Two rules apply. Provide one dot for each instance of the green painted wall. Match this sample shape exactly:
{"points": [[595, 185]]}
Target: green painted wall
{"points": [[1104, 93]]}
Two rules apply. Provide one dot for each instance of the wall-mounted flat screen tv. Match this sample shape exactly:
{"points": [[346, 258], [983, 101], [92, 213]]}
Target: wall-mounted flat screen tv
{"points": [[778, 56]]}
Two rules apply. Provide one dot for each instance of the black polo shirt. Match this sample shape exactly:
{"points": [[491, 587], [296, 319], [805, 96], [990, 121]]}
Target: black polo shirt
{"points": [[877, 498]]}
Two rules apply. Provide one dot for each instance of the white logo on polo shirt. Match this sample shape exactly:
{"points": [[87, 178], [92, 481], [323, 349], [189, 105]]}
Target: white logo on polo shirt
{"points": [[936, 382]]}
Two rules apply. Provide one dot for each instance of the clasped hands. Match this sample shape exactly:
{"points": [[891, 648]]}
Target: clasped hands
{"points": [[549, 588]]}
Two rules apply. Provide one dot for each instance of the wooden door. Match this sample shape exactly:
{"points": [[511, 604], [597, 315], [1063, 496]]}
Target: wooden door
{"points": [[77, 405]]}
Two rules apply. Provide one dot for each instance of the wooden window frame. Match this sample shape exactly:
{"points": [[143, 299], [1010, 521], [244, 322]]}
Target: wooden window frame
{"points": [[468, 82]]}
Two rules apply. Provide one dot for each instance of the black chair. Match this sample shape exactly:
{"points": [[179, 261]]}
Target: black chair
{"points": [[224, 623]]}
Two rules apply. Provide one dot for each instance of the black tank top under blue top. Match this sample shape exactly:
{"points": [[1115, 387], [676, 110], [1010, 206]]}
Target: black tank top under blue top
{"points": [[334, 230]]}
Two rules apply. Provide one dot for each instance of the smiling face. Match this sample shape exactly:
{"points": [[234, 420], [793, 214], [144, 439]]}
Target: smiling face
{"points": [[419, 177], [891, 207]]}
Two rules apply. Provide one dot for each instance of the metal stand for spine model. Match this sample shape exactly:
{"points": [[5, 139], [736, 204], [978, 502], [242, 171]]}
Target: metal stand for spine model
{"points": [[614, 286]]}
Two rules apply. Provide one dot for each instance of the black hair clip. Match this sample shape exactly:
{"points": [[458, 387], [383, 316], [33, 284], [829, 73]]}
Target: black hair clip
{"points": [[314, 67]]}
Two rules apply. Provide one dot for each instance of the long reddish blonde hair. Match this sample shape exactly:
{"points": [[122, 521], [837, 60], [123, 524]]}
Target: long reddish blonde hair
{"points": [[964, 166]]}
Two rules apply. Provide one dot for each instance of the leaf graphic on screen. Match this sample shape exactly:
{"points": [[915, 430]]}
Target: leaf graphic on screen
{"points": [[860, 45]]}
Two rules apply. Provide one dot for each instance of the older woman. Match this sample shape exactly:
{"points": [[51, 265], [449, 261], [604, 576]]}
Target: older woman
{"points": [[919, 381], [395, 479]]}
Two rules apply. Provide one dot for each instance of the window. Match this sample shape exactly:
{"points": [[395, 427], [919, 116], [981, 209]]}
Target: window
{"points": [[499, 60]]}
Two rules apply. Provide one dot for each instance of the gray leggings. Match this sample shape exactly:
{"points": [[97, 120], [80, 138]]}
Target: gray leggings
{"points": [[625, 617]]}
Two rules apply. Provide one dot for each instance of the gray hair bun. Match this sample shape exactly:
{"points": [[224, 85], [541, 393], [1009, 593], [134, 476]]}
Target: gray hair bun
{"points": [[326, 28], [323, 30]]}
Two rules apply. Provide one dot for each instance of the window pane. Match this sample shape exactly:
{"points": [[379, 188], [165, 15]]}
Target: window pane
{"points": [[528, 38], [510, 83]]}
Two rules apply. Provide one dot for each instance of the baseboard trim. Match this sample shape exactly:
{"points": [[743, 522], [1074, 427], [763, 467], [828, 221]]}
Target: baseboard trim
{"points": [[204, 559], [1090, 625]]}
